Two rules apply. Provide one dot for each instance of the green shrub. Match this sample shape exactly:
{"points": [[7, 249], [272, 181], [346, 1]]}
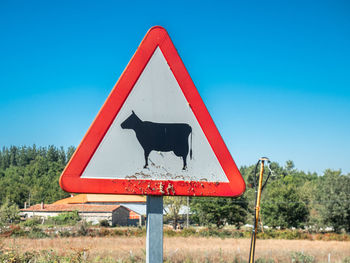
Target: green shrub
{"points": [[103, 232], [239, 234], [64, 233], [33, 221], [36, 232], [83, 229], [45, 256], [299, 257], [138, 232], [68, 218], [188, 232], [9, 213], [104, 223], [118, 232], [264, 260], [17, 231], [169, 232]]}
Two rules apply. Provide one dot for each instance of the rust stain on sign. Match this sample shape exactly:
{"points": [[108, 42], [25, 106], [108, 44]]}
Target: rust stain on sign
{"points": [[170, 189], [191, 188]]}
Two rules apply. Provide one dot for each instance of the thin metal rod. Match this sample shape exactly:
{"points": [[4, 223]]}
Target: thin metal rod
{"points": [[187, 214], [257, 210]]}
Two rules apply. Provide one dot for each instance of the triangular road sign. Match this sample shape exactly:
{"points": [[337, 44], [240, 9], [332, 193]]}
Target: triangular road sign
{"points": [[153, 135]]}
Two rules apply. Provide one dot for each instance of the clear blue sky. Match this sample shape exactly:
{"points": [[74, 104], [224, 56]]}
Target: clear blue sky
{"points": [[275, 75]]}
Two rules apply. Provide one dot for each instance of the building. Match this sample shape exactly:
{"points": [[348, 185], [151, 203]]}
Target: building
{"points": [[116, 209], [114, 214], [135, 203]]}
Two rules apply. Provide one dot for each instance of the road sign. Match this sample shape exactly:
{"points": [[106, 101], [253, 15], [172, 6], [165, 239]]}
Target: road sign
{"points": [[153, 135]]}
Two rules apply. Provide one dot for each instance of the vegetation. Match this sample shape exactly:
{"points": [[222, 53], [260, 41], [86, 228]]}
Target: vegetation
{"points": [[46, 256], [30, 174], [172, 205], [67, 218], [9, 213], [219, 211], [176, 250], [334, 195], [292, 198], [81, 229]]}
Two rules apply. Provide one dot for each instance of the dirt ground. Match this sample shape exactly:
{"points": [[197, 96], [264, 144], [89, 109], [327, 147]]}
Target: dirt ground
{"points": [[180, 248]]}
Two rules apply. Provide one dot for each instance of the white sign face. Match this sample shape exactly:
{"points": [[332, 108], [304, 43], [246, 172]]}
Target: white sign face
{"points": [[158, 103]]}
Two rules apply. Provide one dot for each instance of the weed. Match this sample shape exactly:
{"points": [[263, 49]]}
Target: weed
{"points": [[83, 229], [68, 218], [33, 221], [36, 232], [64, 233], [264, 260], [300, 257], [104, 223]]}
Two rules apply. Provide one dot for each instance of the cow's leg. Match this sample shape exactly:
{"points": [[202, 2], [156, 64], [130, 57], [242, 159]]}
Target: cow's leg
{"points": [[184, 157], [147, 152], [182, 152]]}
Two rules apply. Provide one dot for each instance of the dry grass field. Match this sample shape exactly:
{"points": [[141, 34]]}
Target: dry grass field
{"points": [[180, 249]]}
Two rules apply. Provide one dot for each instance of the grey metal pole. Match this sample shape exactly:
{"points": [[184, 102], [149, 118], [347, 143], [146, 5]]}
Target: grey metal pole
{"points": [[154, 238]]}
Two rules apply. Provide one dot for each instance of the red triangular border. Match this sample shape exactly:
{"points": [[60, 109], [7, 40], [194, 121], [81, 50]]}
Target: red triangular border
{"points": [[70, 180]]}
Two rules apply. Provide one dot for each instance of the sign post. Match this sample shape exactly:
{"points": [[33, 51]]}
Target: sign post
{"points": [[154, 238]]}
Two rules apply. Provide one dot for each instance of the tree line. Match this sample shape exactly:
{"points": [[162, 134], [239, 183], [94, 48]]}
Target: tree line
{"points": [[292, 198], [31, 174]]}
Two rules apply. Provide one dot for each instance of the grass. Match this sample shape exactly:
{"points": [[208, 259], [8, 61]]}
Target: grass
{"points": [[176, 249]]}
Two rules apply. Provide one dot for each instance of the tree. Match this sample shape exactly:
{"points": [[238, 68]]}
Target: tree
{"points": [[282, 206], [30, 174], [308, 192], [334, 194], [9, 213], [219, 210], [285, 201], [173, 205], [290, 165], [70, 152]]}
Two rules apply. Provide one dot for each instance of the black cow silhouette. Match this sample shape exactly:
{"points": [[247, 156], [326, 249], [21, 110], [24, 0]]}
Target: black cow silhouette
{"points": [[164, 137]]}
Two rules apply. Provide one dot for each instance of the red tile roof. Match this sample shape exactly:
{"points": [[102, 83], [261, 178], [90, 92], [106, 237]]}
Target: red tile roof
{"points": [[71, 207], [103, 198]]}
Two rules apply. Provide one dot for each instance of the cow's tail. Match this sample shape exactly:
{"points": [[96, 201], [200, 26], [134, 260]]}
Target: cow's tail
{"points": [[191, 146]]}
